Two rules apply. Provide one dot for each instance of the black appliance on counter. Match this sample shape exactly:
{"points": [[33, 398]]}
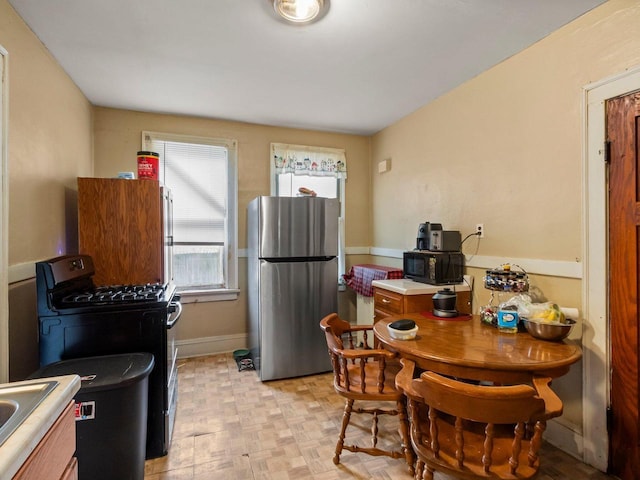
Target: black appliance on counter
{"points": [[423, 238], [435, 268], [78, 319]]}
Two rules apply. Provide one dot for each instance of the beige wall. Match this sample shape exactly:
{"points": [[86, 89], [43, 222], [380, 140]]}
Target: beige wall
{"points": [[50, 143], [505, 149], [117, 136]]}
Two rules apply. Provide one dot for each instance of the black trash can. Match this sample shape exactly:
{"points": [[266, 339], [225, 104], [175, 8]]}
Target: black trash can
{"points": [[111, 413]]}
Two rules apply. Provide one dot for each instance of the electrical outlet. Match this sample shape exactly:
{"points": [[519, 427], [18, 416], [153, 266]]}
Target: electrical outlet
{"points": [[480, 230]]}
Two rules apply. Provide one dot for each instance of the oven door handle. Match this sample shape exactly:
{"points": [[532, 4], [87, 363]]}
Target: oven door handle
{"points": [[175, 310]]}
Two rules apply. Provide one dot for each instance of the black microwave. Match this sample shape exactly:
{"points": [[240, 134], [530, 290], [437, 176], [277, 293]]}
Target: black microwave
{"points": [[435, 268]]}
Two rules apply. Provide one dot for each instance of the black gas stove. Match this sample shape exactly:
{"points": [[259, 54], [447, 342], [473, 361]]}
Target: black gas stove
{"points": [[79, 319], [65, 285]]}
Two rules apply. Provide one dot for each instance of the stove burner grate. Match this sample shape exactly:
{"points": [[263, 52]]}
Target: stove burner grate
{"points": [[117, 294]]}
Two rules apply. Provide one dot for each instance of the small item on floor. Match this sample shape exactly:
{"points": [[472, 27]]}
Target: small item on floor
{"points": [[243, 359], [245, 364]]}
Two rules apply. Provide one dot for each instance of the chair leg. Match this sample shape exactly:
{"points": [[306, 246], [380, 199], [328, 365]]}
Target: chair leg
{"points": [[346, 416], [404, 435], [419, 467], [428, 473]]}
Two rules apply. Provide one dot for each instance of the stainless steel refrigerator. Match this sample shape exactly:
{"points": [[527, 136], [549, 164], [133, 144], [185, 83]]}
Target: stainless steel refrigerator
{"points": [[293, 283]]}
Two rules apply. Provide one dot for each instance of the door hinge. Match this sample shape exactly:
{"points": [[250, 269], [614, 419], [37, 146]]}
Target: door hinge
{"points": [[607, 152], [609, 418]]}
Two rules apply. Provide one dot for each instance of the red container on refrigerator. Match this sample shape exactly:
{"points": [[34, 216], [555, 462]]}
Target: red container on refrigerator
{"points": [[148, 165]]}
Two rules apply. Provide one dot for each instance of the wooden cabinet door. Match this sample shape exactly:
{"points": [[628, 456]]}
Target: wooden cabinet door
{"points": [[418, 303], [50, 459], [463, 303], [387, 303], [120, 227]]}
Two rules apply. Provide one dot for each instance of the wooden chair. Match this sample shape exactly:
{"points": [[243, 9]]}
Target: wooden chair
{"points": [[474, 431], [365, 374]]}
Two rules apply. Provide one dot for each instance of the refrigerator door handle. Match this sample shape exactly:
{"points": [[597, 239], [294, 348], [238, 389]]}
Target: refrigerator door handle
{"points": [[297, 259]]}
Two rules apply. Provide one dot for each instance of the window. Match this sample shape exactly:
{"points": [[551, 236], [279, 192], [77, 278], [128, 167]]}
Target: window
{"points": [[202, 176], [323, 170]]}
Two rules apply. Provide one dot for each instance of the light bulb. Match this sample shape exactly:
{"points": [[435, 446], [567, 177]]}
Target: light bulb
{"points": [[298, 11]]}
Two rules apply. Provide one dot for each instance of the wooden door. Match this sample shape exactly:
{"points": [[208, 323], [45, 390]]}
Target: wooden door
{"points": [[623, 124]]}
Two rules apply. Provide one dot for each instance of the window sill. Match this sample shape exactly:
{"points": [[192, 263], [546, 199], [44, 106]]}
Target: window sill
{"points": [[197, 296]]}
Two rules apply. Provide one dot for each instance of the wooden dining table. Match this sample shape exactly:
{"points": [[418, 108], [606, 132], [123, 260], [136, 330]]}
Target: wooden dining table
{"points": [[465, 347]]}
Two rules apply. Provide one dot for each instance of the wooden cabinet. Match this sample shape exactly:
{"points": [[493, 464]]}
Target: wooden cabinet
{"points": [[53, 457], [121, 226], [387, 303]]}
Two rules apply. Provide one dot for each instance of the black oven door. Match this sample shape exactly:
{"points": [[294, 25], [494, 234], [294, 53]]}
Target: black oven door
{"points": [[414, 266]]}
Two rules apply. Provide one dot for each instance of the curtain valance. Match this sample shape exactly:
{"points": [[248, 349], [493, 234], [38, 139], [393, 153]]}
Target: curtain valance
{"points": [[305, 160]]}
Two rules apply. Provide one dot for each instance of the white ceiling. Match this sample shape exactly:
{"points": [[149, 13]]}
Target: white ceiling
{"points": [[365, 65]]}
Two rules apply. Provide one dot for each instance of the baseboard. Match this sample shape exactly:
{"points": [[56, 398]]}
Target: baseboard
{"points": [[198, 347], [561, 435]]}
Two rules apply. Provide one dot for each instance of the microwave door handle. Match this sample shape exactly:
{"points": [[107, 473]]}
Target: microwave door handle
{"points": [[175, 308]]}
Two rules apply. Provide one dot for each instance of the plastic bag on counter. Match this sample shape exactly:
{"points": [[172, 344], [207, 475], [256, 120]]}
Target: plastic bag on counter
{"points": [[546, 311], [521, 302]]}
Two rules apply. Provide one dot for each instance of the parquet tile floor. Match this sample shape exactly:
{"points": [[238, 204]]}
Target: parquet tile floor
{"points": [[231, 426]]}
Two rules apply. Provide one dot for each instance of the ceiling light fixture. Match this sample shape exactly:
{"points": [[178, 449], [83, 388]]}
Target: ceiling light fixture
{"points": [[300, 11]]}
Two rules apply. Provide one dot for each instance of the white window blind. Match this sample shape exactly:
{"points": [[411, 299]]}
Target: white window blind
{"points": [[197, 177], [201, 174]]}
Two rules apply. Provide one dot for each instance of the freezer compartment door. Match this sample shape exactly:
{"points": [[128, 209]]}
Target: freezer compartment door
{"points": [[297, 227], [294, 297]]}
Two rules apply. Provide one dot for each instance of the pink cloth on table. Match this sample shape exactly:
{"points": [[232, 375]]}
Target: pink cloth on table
{"points": [[360, 277]]}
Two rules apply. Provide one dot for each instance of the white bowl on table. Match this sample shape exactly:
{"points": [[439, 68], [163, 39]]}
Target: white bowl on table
{"points": [[403, 329]]}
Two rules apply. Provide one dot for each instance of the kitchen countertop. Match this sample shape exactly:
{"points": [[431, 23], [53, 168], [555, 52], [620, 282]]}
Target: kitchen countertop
{"points": [[405, 286], [21, 443]]}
